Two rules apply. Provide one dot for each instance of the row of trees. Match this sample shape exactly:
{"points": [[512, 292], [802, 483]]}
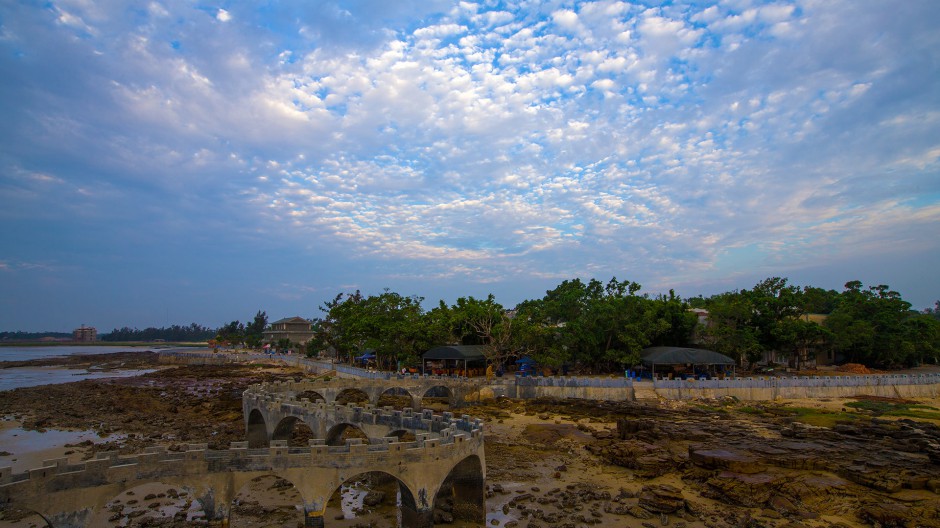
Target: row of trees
{"points": [[192, 333], [604, 326], [237, 332], [19, 335], [873, 326]]}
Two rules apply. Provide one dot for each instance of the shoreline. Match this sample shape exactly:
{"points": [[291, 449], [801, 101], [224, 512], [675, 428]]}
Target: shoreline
{"points": [[151, 344]]}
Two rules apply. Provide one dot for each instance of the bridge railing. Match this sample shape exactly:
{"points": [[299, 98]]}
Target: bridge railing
{"points": [[237, 456], [802, 381]]}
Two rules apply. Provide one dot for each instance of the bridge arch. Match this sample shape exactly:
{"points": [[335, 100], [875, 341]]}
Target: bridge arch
{"points": [[339, 433], [294, 430], [353, 395], [441, 393], [346, 499], [465, 488], [403, 435], [312, 395], [256, 430], [397, 398]]}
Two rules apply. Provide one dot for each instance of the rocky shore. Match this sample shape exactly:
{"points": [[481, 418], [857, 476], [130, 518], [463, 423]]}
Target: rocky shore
{"points": [[848, 463]]}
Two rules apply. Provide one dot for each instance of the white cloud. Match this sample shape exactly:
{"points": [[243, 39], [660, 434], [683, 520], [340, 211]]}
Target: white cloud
{"points": [[504, 140]]}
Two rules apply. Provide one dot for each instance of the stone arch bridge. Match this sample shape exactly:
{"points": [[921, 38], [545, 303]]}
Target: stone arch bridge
{"points": [[446, 457]]}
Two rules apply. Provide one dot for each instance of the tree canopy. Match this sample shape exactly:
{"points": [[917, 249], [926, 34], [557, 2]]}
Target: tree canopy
{"points": [[603, 327]]}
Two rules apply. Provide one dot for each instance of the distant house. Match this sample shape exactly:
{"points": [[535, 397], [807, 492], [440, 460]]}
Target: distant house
{"points": [[296, 329], [85, 334]]}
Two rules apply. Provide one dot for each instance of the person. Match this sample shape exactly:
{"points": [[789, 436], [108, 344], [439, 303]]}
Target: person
{"points": [[489, 372]]}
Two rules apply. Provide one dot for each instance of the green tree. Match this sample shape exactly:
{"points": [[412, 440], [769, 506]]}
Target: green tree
{"points": [[870, 326], [485, 322], [818, 300], [676, 321], [389, 324], [730, 330], [232, 334], [799, 337], [254, 331], [600, 326], [773, 302], [923, 331]]}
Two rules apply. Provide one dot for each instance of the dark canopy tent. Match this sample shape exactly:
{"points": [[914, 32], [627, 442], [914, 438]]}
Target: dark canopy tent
{"points": [[365, 357], [682, 356], [456, 355]]}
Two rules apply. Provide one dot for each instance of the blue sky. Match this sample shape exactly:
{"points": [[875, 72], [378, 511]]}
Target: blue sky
{"points": [[174, 162]]}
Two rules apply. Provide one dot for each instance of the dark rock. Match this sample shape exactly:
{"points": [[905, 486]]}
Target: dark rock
{"points": [[735, 461], [373, 498], [751, 491], [888, 515], [661, 498]]}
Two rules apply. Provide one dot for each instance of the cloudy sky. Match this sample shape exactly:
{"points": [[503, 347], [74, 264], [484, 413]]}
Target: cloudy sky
{"points": [[170, 162]]}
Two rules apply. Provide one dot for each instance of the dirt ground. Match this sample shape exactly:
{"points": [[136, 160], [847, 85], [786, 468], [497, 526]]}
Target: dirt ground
{"points": [[835, 463]]}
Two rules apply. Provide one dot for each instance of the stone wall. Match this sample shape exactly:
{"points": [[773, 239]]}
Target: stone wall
{"points": [[774, 388], [607, 389]]}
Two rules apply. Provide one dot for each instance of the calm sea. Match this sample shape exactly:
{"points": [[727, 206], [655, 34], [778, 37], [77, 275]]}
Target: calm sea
{"points": [[13, 378], [15, 353]]}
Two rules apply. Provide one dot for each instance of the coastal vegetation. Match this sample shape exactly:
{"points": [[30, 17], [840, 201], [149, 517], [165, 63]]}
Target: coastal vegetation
{"points": [[177, 333], [603, 327], [593, 326]]}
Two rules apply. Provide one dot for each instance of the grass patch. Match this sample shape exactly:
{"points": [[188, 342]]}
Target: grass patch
{"points": [[818, 417], [709, 408], [897, 409], [751, 410]]}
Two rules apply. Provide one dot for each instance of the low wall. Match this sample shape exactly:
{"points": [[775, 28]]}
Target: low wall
{"points": [[625, 389], [772, 388], [607, 389]]}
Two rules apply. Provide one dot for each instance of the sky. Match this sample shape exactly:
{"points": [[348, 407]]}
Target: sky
{"points": [[171, 162]]}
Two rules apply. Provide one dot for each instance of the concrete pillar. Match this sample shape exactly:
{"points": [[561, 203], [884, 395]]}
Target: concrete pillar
{"points": [[313, 518], [412, 518]]}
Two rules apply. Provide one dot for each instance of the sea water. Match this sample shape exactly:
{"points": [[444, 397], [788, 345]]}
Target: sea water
{"points": [[14, 378], [26, 353]]}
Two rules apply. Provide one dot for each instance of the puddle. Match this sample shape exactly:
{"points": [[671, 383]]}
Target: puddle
{"points": [[29, 448]]}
